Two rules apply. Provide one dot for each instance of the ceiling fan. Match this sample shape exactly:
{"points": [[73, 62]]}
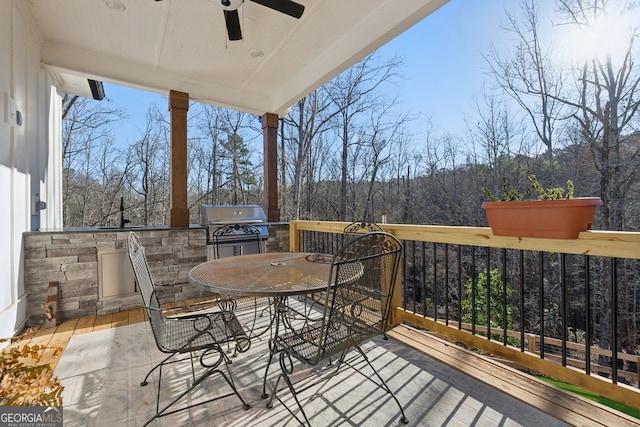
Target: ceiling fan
{"points": [[232, 19]]}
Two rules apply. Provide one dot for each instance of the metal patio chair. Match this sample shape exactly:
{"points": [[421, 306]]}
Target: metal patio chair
{"points": [[357, 308], [196, 335], [248, 309], [349, 232], [356, 229]]}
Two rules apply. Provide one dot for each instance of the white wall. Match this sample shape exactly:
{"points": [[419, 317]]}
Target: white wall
{"points": [[30, 155]]}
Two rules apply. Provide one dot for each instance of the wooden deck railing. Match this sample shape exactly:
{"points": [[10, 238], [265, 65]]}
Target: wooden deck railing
{"points": [[531, 353]]}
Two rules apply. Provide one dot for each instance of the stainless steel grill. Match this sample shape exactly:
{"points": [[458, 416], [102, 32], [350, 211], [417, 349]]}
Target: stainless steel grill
{"points": [[214, 217]]}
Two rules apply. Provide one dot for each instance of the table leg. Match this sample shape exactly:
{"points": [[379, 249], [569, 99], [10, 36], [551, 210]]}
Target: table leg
{"points": [[280, 310]]}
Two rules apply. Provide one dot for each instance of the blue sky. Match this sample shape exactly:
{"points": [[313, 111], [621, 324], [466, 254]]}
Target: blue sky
{"points": [[443, 57], [443, 70]]}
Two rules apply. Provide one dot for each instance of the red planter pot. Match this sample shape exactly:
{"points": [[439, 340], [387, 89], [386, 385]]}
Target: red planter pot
{"points": [[551, 219]]}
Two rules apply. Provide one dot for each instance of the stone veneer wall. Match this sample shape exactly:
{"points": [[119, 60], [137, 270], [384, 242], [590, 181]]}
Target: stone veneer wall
{"points": [[278, 237], [71, 259]]}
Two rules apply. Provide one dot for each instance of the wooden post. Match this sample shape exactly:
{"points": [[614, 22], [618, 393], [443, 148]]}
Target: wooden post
{"points": [[295, 244], [270, 138], [178, 208]]}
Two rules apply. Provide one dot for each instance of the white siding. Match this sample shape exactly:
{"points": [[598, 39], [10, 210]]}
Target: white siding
{"points": [[6, 166], [30, 161]]}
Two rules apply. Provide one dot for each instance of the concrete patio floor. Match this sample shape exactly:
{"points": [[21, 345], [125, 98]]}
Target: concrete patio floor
{"points": [[101, 372]]}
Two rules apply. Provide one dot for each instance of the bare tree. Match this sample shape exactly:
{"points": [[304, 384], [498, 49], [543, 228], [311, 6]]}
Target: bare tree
{"points": [[148, 176], [607, 102], [354, 92], [499, 141], [530, 77], [403, 156], [304, 125], [93, 165], [205, 172], [383, 132]]}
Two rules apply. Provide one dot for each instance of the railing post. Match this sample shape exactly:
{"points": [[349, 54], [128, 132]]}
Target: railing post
{"points": [[294, 237]]}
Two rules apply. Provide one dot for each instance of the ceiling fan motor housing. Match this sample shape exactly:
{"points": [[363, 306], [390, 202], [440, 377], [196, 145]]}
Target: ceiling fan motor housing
{"points": [[229, 4], [232, 18]]}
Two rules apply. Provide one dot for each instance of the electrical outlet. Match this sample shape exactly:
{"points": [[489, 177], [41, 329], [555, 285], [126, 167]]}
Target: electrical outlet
{"points": [[10, 109]]}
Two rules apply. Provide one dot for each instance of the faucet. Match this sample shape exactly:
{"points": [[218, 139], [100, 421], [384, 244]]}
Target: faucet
{"points": [[122, 220]]}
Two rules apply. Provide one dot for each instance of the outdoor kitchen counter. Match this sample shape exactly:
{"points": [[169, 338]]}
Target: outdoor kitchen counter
{"points": [[111, 229], [71, 259], [92, 271]]}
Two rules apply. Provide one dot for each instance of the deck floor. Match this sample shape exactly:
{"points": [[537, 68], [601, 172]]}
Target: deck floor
{"points": [[105, 357]]}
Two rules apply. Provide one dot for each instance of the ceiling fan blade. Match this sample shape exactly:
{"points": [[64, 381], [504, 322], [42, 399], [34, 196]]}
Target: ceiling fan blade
{"points": [[232, 20], [287, 7]]}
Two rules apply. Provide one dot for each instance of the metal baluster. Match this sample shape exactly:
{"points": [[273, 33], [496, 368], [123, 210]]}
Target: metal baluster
{"points": [[446, 284], [541, 292], [563, 305], [488, 297], [522, 343], [435, 281], [460, 279], [504, 296], [587, 305], [614, 320], [473, 290]]}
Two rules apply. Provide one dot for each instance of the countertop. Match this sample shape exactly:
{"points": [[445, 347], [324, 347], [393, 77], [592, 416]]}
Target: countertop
{"points": [[111, 229]]}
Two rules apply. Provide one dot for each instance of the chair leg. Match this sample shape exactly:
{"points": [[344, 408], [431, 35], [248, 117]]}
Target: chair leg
{"points": [[228, 306], [159, 365], [383, 385], [286, 366], [210, 370]]}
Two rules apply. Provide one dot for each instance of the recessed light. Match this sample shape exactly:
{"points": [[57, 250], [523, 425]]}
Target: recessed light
{"points": [[115, 5], [255, 53]]}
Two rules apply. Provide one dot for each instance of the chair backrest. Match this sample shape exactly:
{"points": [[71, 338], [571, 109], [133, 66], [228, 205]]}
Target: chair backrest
{"points": [[355, 229], [360, 227], [236, 239], [360, 295], [145, 284]]}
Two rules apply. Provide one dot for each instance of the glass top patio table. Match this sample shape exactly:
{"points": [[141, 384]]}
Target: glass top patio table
{"points": [[264, 275]]}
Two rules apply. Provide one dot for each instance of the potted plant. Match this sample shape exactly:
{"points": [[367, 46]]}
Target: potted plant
{"points": [[555, 214]]}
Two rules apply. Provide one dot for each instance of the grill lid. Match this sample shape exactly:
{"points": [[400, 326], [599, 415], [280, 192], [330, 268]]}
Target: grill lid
{"points": [[232, 214]]}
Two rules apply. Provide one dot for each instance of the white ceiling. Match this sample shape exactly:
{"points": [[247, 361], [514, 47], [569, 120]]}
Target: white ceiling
{"points": [[182, 45]]}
